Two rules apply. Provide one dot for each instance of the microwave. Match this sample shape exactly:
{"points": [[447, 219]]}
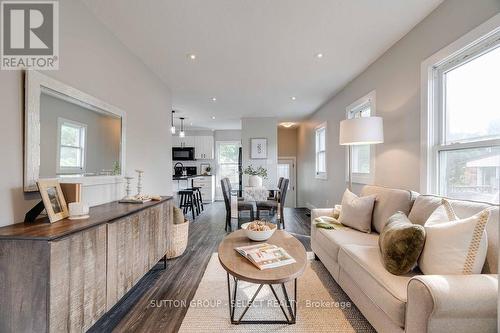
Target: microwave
{"points": [[182, 153]]}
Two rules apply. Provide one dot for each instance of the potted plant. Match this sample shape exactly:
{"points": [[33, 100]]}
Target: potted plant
{"points": [[255, 175]]}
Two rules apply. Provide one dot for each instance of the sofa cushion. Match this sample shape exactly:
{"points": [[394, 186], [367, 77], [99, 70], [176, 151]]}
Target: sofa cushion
{"points": [[387, 291], [387, 202], [401, 243], [455, 246], [357, 211], [426, 204], [333, 240]]}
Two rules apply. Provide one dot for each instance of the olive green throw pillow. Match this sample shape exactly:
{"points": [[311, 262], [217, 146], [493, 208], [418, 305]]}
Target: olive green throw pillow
{"points": [[401, 243]]}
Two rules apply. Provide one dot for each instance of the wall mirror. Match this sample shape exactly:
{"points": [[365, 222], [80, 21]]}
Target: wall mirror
{"points": [[69, 134]]}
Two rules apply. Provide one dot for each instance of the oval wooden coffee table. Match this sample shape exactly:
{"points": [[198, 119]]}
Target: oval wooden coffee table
{"points": [[242, 269]]}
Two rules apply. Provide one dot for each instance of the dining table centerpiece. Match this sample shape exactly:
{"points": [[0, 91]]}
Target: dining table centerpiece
{"points": [[255, 175]]}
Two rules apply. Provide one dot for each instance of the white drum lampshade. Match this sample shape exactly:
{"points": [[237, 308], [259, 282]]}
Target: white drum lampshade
{"points": [[361, 131]]}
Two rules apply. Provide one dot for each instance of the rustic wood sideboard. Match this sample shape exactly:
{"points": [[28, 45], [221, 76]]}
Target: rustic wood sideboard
{"points": [[62, 277]]}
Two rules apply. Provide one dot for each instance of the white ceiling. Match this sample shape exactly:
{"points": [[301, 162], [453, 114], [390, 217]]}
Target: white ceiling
{"points": [[254, 55]]}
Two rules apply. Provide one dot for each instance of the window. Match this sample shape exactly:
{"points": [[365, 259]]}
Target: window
{"points": [[464, 124], [321, 151], [362, 162], [227, 164], [71, 146]]}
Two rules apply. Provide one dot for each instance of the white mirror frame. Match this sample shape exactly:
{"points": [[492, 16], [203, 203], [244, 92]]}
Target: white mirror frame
{"points": [[35, 84]]}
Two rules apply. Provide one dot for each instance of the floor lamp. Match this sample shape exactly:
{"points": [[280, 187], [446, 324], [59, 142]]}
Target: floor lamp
{"points": [[360, 131]]}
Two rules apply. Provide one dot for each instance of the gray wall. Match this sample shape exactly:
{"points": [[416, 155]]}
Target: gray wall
{"points": [[94, 61], [102, 139], [263, 127], [396, 78]]}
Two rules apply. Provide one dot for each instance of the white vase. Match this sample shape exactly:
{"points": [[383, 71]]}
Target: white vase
{"points": [[255, 181]]}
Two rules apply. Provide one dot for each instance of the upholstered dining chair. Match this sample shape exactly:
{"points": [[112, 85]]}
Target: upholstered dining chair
{"points": [[273, 195], [272, 205], [242, 205]]}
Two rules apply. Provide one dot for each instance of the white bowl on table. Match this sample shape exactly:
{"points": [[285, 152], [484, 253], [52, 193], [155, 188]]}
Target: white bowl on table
{"points": [[259, 235]]}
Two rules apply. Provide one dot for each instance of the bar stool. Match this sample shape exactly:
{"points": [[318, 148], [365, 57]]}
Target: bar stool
{"points": [[187, 201], [198, 203], [197, 191]]}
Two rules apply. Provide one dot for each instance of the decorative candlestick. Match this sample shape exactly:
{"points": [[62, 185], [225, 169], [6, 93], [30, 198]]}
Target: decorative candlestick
{"points": [[127, 188], [139, 181]]}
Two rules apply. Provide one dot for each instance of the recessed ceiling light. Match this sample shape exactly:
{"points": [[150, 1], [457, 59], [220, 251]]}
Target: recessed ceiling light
{"points": [[213, 117], [190, 124], [191, 56], [287, 125], [214, 99], [293, 98], [319, 55]]}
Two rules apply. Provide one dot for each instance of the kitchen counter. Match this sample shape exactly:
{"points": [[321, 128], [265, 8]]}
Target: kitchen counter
{"points": [[189, 177]]}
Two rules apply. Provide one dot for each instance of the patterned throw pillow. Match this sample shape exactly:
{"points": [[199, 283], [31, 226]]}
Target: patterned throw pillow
{"points": [[453, 245]]}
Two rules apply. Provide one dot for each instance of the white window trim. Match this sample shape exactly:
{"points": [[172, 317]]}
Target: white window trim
{"points": [[429, 115], [321, 175], [68, 170], [362, 178]]}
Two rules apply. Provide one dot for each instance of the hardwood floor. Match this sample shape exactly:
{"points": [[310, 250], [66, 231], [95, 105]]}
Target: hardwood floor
{"points": [[138, 311]]}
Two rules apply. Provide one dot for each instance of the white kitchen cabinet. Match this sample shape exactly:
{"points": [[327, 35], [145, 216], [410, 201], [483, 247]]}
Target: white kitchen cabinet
{"points": [[187, 141], [204, 147], [207, 187]]}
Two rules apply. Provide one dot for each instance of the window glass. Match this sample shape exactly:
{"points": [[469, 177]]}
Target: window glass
{"points": [[471, 99], [472, 173], [71, 146]]}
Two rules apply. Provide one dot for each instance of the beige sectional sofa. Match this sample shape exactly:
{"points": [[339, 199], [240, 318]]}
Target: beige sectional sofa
{"points": [[413, 302]]}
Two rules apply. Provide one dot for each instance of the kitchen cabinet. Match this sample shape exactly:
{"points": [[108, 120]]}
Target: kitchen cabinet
{"points": [[204, 147], [187, 141], [207, 187]]}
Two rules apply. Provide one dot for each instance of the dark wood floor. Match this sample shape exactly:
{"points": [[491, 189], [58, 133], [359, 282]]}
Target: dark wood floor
{"points": [[180, 280]]}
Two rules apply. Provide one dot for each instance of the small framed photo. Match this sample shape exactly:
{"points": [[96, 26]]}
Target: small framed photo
{"points": [[258, 148], [205, 168], [53, 199]]}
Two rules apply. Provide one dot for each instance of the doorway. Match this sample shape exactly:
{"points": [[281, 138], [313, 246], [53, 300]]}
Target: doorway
{"points": [[286, 169]]}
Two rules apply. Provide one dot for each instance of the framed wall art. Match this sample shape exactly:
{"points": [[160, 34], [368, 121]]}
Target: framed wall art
{"points": [[258, 148]]}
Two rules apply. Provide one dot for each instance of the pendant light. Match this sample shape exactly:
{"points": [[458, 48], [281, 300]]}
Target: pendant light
{"points": [[181, 133], [172, 129]]}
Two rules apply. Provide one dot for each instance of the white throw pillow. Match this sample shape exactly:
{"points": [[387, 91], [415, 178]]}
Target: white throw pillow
{"points": [[452, 245], [357, 211]]}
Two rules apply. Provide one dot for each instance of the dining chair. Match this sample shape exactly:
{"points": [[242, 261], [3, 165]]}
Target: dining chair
{"points": [[273, 195], [242, 205], [272, 205]]}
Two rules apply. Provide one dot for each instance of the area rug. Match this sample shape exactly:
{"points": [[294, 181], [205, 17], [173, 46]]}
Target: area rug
{"points": [[322, 305]]}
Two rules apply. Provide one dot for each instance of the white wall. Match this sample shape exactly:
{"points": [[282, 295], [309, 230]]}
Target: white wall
{"points": [[94, 61], [396, 78], [262, 127]]}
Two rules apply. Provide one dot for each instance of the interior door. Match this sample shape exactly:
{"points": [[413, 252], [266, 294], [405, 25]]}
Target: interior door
{"points": [[286, 169]]}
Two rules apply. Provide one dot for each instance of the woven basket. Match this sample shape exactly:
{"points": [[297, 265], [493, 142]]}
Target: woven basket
{"points": [[177, 239]]}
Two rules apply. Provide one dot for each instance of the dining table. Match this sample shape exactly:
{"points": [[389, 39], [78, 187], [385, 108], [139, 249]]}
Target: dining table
{"points": [[254, 194]]}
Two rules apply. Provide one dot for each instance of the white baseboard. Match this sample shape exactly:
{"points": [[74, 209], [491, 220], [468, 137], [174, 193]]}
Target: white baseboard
{"points": [[311, 207]]}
